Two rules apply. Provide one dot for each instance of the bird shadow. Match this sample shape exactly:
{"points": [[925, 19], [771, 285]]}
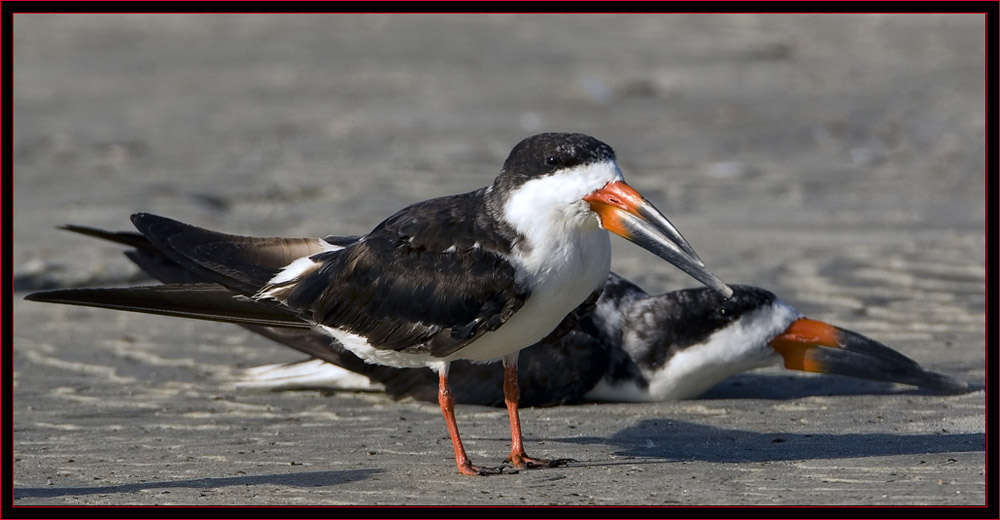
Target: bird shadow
{"points": [[663, 440], [307, 479]]}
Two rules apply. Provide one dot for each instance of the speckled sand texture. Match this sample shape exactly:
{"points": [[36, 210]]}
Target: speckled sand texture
{"points": [[836, 160]]}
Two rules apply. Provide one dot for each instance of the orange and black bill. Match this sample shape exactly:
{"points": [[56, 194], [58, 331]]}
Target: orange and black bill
{"points": [[626, 213], [814, 346]]}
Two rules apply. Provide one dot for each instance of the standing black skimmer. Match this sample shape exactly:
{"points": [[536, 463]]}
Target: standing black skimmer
{"points": [[476, 276]]}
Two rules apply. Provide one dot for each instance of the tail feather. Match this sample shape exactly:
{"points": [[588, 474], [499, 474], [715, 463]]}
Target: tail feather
{"points": [[241, 263], [128, 238], [201, 301]]}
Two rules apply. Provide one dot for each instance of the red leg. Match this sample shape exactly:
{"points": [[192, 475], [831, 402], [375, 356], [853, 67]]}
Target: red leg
{"points": [[447, 403], [512, 394]]}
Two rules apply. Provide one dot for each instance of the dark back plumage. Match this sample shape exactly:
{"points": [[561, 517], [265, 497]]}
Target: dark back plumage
{"points": [[397, 286]]}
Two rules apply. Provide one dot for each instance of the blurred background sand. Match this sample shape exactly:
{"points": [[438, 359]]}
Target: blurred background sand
{"points": [[836, 160]]}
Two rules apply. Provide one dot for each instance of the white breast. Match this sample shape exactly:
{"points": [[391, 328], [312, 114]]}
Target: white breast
{"points": [[572, 271]]}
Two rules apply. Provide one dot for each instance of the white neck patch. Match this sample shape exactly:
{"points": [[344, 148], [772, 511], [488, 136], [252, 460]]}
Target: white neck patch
{"points": [[551, 207]]}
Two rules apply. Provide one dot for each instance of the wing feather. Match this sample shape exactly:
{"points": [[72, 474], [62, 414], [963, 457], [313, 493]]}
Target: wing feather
{"points": [[432, 278], [243, 264], [202, 301]]}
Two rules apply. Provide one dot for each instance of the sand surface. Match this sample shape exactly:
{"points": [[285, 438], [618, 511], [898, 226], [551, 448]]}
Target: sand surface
{"points": [[836, 160]]}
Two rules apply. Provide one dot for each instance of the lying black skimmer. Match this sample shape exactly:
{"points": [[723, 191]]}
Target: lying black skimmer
{"points": [[631, 347], [476, 276]]}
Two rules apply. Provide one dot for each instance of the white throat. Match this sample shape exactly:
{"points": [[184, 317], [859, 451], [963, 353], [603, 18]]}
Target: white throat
{"points": [[555, 224]]}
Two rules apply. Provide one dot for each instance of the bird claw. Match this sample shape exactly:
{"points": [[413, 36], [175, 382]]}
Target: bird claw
{"points": [[490, 471], [478, 471], [524, 462], [555, 463]]}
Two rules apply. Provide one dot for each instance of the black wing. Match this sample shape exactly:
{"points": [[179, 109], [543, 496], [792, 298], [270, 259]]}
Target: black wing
{"points": [[431, 278]]}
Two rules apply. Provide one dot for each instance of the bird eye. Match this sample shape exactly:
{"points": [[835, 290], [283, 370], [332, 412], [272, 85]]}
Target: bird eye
{"points": [[552, 161]]}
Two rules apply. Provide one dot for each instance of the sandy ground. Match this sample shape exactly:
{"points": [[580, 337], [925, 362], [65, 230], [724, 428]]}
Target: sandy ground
{"points": [[836, 160]]}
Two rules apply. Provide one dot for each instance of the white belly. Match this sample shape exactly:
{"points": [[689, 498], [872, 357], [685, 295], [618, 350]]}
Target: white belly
{"points": [[574, 272]]}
